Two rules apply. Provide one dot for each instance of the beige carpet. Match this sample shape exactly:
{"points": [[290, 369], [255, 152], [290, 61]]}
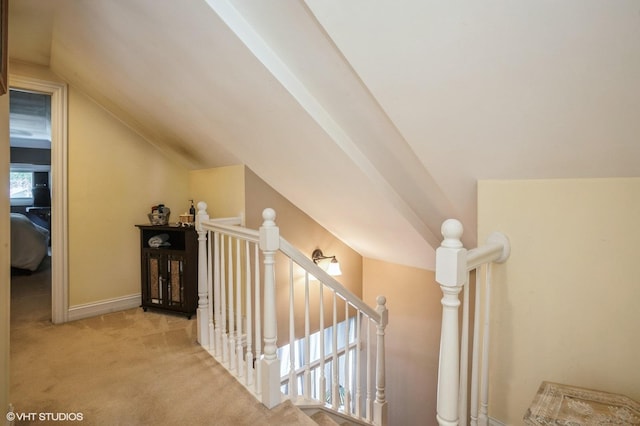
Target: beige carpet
{"points": [[125, 368]]}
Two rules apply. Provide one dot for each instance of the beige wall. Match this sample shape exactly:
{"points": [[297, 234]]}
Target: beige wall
{"points": [[5, 258], [301, 230], [115, 177], [565, 305], [412, 338], [222, 188], [33, 71]]}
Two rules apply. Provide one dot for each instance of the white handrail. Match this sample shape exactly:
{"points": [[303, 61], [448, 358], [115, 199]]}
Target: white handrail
{"points": [[496, 249], [225, 225], [231, 229], [309, 266]]}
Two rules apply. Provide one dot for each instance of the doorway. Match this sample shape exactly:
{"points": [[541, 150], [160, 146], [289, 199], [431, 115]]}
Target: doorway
{"points": [[58, 178]]}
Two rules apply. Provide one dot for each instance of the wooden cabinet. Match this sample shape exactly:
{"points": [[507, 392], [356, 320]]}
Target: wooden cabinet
{"points": [[170, 272]]}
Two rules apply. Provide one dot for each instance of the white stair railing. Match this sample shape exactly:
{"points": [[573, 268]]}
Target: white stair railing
{"points": [[454, 266], [237, 321]]}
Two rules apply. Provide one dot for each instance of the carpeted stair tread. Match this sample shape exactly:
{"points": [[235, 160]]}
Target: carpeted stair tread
{"points": [[323, 419]]}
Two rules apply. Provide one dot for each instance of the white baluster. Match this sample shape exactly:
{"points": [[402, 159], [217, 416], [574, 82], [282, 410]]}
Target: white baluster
{"points": [[475, 357], [269, 244], [347, 379], [380, 404], [293, 380], [240, 372], [216, 295], [307, 341], [335, 367], [369, 403], [249, 310], [223, 302], [258, 319], [451, 272], [358, 372], [210, 308], [230, 308], [464, 356], [484, 379], [202, 323], [322, 394]]}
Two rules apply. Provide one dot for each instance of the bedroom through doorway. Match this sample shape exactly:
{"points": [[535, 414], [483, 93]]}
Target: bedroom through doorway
{"points": [[30, 198], [38, 187]]}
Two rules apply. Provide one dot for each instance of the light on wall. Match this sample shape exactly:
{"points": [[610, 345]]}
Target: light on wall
{"points": [[333, 268]]}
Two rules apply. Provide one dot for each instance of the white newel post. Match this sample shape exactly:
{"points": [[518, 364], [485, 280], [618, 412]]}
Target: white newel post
{"points": [[203, 299], [380, 403], [451, 272], [269, 244]]}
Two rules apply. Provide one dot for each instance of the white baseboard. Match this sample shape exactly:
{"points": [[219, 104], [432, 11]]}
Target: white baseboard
{"points": [[494, 422], [103, 307]]}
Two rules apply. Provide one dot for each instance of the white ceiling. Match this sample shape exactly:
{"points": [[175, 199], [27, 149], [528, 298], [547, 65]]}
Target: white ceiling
{"points": [[30, 120], [375, 118]]}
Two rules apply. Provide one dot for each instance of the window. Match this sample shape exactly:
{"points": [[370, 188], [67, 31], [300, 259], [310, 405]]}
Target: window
{"points": [[315, 352], [23, 178], [20, 184]]}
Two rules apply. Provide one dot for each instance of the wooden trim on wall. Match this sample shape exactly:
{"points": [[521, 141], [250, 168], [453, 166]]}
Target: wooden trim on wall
{"points": [[4, 45], [102, 307], [59, 204]]}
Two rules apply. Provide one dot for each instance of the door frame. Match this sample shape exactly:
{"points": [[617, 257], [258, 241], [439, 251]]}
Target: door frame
{"points": [[59, 187]]}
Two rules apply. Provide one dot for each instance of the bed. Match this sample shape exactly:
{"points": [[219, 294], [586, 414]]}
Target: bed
{"points": [[29, 243]]}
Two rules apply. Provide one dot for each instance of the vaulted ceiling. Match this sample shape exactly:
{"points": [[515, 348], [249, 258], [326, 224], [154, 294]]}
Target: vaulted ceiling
{"points": [[375, 118]]}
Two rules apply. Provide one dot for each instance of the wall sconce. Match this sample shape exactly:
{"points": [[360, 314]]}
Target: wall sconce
{"points": [[334, 267]]}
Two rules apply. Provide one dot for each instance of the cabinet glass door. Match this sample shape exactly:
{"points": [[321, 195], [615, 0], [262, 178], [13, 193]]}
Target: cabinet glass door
{"points": [[155, 279], [175, 271]]}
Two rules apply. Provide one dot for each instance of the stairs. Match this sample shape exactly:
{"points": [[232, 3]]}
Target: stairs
{"points": [[238, 323], [324, 416], [323, 419]]}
